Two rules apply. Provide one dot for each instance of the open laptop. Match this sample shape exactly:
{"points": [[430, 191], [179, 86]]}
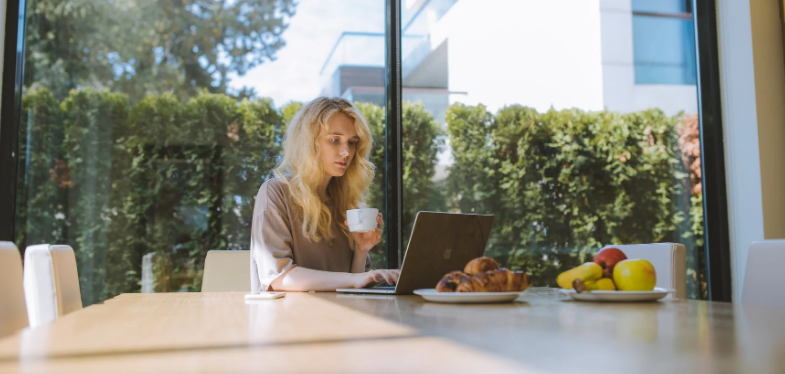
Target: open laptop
{"points": [[439, 243]]}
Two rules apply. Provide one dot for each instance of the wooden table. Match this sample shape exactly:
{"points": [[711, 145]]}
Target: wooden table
{"points": [[327, 332]]}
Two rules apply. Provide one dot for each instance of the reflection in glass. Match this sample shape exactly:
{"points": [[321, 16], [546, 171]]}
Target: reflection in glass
{"points": [[149, 126], [533, 114], [663, 42]]}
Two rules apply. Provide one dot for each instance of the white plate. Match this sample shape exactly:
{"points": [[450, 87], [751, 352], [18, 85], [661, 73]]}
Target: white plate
{"points": [[656, 294], [430, 294]]}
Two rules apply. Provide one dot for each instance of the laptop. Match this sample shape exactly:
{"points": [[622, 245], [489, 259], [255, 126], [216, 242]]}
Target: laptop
{"points": [[439, 243]]}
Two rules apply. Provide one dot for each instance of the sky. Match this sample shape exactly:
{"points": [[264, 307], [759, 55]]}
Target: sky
{"points": [[317, 26], [312, 33], [542, 54]]}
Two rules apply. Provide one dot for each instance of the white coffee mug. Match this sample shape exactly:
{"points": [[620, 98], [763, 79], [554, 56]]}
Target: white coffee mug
{"points": [[362, 220]]}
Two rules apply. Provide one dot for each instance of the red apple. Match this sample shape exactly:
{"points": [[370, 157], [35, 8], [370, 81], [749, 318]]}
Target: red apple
{"points": [[607, 258]]}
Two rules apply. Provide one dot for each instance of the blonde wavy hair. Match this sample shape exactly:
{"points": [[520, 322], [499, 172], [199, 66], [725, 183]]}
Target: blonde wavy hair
{"points": [[301, 169]]}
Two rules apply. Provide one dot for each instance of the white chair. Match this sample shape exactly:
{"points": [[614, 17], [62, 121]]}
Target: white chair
{"points": [[51, 283], [764, 282], [227, 271], [669, 261], [13, 313]]}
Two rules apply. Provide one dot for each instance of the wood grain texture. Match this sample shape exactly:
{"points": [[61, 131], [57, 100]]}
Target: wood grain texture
{"points": [[179, 321], [409, 355], [549, 333], [327, 332]]}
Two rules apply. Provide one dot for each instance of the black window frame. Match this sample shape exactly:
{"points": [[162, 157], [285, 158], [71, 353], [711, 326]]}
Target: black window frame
{"points": [[715, 198], [715, 205]]}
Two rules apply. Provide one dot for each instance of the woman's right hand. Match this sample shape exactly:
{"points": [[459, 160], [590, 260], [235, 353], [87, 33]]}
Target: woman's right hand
{"points": [[378, 276]]}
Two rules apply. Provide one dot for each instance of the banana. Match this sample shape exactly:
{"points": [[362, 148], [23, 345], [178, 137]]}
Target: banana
{"points": [[602, 284], [589, 271]]}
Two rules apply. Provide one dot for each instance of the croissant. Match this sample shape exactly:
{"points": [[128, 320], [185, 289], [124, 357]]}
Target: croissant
{"points": [[480, 265], [494, 281], [450, 282], [469, 284]]}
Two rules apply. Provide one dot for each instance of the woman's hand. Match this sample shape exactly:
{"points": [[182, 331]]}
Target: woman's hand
{"points": [[377, 276], [364, 241]]}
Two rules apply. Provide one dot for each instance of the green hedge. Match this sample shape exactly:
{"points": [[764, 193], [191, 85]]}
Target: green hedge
{"points": [[422, 141], [564, 183], [178, 179]]}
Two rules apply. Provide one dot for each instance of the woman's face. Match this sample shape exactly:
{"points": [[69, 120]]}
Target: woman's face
{"points": [[337, 145]]}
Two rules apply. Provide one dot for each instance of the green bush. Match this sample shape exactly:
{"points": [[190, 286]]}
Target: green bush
{"points": [[193, 174], [89, 119], [375, 117], [178, 179], [66, 187], [422, 141], [43, 174], [562, 184]]}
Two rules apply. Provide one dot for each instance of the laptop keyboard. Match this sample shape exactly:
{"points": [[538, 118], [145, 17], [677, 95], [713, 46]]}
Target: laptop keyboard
{"points": [[383, 286]]}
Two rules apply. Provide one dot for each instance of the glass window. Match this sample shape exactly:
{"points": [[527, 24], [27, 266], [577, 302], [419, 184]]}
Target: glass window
{"points": [[663, 42], [149, 126], [532, 114]]}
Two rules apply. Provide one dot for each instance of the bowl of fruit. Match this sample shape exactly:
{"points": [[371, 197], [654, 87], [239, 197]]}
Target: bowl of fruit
{"points": [[611, 276]]}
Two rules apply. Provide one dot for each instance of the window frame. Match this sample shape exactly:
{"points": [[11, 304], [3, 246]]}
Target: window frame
{"points": [[715, 204], [393, 176], [11, 102], [715, 197]]}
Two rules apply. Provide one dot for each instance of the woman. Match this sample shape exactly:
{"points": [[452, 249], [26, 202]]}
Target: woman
{"points": [[300, 240]]}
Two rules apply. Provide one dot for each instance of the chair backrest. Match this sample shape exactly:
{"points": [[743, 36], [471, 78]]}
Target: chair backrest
{"points": [[669, 261], [13, 312], [227, 271], [51, 282], [763, 279]]}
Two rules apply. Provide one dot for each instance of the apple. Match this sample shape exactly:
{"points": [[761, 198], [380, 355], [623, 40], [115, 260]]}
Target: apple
{"points": [[608, 258], [634, 275]]}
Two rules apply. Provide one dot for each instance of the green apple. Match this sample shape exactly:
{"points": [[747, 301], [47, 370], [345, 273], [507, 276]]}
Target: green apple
{"points": [[634, 275]]}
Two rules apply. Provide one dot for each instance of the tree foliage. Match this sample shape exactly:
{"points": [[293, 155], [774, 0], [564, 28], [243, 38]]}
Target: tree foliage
{"points": [[422, 141], [562, 184], [171, 178], [141, 47], [179, 178]]}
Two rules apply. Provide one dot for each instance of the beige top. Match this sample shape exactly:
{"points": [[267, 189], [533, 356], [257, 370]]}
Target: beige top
{"points": [[278, 243]]}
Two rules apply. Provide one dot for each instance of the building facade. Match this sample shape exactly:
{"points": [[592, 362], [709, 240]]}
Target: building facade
{"points": [[616, 55]]}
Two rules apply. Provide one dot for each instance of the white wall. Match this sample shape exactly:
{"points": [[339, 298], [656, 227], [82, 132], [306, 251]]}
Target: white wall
{"points": [[618, 69], [767, 49], [672, 99], [547, 53], [620, 92], [742, 162]]}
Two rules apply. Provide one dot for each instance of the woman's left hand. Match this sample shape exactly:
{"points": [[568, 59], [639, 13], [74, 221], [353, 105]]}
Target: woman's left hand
{"points": [[364, 241]]}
